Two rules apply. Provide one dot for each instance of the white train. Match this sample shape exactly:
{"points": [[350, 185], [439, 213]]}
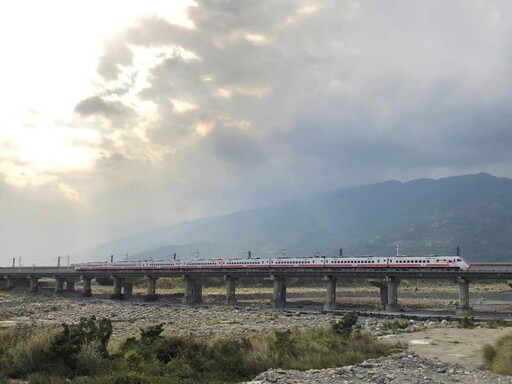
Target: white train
{"points": [[316, 262]]}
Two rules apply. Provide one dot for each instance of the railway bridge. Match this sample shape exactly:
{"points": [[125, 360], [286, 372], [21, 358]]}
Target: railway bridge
{"points": [[67, 278]]}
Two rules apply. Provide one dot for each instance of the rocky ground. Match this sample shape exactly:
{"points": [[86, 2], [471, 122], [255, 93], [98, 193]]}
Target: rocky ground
{"points": [[403, 368], [433, 346]]}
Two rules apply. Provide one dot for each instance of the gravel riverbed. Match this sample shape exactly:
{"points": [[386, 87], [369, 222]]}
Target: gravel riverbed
{"points": [[402, 368], [456, 351]]}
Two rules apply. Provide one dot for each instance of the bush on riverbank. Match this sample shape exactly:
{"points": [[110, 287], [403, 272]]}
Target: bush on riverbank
{"points": [[68, 351], [79, 353], [498, 357]]}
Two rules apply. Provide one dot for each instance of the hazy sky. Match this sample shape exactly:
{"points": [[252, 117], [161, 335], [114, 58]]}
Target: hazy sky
{"points": [[118, 117]]}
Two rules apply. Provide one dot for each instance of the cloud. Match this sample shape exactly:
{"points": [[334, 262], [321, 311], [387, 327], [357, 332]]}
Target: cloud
{"points": [[116, 54], [263, 101], [119, 114], [96, 105], [316, 89]]}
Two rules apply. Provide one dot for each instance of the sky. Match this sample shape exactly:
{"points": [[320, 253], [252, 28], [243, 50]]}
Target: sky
{"points": [[119, 117]]}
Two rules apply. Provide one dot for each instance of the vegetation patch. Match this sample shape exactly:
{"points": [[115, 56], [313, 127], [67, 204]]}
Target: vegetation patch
{"points": [[498, 357], [78, 354], [498, 323], [394, 326], [466, 322]]}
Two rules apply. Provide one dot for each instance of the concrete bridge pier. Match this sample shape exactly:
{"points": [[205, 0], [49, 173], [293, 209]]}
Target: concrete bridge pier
{"points": [[33, 283], [150, 289], [464, 308], [9, 284], [70, 286], [279, 293], [230, 289], [117, 288], [193, 291], [59, 285], [383, 287], [392, 287], [128, 289], [86, 287], [330, 302], [198, 292]]}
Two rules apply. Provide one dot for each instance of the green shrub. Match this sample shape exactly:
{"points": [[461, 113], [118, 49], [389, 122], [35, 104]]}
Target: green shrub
{"points": [[466, 322], [394, 325], [152, 332], [67, 344], [90, 360], [225, 360], [345, 325]]}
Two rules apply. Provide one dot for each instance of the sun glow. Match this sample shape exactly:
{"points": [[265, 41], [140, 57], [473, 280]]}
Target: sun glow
{"points": [[50, 54], [34, 153]]}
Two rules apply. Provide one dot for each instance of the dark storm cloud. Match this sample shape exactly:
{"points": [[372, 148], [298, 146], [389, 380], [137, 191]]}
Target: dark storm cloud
{"points": [[97, 106], [118, 113], [307, 92]]}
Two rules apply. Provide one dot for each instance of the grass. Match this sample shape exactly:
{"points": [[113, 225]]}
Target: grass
{"points": [[28, 354], [394, 326], [23, 349], [498, 323], [232, 360], [498, 357]]}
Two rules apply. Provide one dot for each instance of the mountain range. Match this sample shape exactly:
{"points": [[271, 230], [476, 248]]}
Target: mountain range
{"points": [[423, 216]]}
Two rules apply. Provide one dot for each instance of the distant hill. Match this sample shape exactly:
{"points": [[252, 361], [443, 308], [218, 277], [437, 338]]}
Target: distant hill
{"points": [[424, 216]]}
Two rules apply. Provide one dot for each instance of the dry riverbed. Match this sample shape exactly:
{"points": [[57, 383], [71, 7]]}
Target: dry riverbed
{"points": [[438, 340], [451, 345]]}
